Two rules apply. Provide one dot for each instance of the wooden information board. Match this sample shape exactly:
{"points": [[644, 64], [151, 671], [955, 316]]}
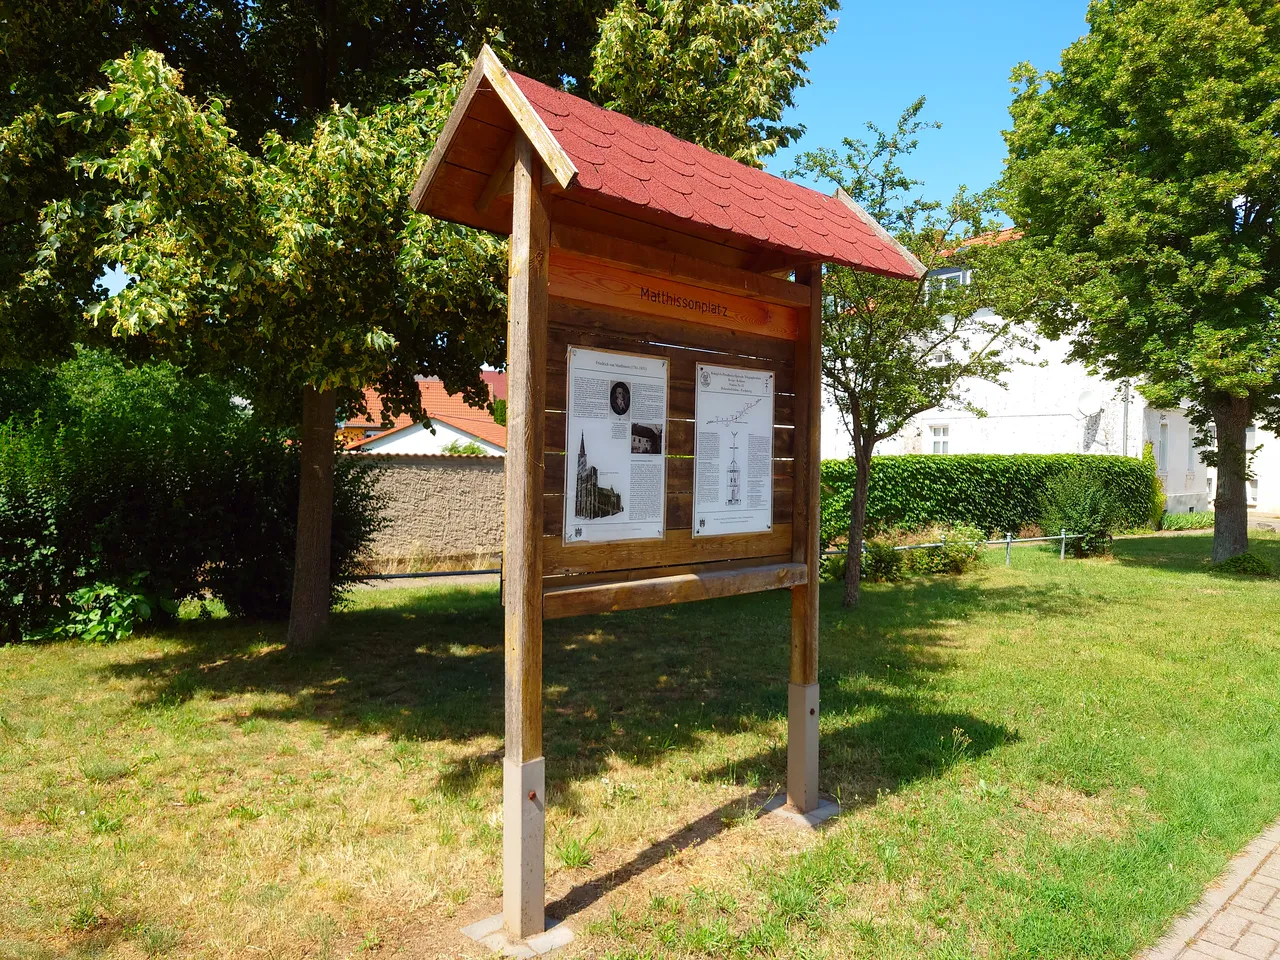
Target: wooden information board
{"points": [[628, 242], [608, 306]]}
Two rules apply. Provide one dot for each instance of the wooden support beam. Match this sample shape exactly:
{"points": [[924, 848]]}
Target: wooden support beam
{"points": [[524, 797], [500, 177], [573, 601], [802, 693]]}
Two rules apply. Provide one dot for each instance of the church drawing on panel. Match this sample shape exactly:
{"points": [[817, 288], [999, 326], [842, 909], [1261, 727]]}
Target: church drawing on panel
{"points": [[591, 501]]}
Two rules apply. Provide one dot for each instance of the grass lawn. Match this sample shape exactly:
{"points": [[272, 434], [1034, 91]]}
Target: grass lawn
{"points": [[1044, 761]]}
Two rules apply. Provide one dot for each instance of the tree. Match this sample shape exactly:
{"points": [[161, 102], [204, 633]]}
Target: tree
{"points": [[1146, 175], [300, 275], [271, 71], [717, 72], [273, 66], [892, 349]]}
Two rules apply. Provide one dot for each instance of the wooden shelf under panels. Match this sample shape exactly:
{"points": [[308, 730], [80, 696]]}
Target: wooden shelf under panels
{"points": [[572, 601]]}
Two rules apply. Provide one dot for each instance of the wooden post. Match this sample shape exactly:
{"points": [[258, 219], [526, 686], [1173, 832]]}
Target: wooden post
{"points": [[802, 691], [524, 779]]}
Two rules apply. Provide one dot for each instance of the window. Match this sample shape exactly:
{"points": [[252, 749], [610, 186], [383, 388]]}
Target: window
{"points": [[1253, 493], [1191, 449], [941, 281], [1162, 449], [1250, 437], [941, 439]]}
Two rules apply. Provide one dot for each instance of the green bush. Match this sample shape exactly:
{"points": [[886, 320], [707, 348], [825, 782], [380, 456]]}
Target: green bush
{"points": [[1157, 499], [832, 568], [992, 492], [1200, 520], [125, 471], [104, 612], [963, 547], [1246, 564], [881, 563], [1082, 503]]}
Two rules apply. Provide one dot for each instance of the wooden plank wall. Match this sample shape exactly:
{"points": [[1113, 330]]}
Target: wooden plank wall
{"points": [[684, 344]]}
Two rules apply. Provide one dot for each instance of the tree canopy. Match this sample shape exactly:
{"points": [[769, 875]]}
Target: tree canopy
{"points": [[299, 266], [1146, 176], [273, 67], [717, 72], [248, 165], [891, 348]]}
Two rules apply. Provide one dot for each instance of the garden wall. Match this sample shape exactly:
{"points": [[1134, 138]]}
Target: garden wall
{"points": [[996, 493], [442, 512]]}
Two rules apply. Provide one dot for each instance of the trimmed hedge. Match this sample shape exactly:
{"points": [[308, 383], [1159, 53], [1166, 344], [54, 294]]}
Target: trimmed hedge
{"points": [[993, 492]]}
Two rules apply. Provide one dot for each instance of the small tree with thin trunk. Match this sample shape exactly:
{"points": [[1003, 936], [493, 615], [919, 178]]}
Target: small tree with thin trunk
{"points": [[1146, 175], [298, 272], [892, 349]]}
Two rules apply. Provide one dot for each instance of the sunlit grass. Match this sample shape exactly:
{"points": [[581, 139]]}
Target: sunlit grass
{"points": [[1048, 760]]}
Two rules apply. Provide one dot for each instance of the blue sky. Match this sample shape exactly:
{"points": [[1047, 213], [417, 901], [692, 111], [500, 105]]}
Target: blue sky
{"points": [[885, 54]]}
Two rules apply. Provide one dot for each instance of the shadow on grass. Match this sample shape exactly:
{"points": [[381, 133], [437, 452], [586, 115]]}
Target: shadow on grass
{"points": [[1189, 553], [644, 685], [639, 684], [901, 744]]}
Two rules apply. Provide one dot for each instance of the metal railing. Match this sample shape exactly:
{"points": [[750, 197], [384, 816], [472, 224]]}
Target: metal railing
{"points": [[1008, 540]]}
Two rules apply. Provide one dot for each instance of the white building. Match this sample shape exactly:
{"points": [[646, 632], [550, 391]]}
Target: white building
{"points": [[1051, 405], [455, 425], [1263, 491], [441, 437]]}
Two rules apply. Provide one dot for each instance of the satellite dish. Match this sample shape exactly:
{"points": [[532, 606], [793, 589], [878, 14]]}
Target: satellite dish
{"points": [[1089, 404]]}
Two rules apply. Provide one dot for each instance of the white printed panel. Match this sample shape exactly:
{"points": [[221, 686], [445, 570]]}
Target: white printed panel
{"points": [[616, 423], [733, 451]]}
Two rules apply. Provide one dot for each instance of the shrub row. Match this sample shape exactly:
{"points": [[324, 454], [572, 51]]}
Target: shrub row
{"points": [[1199, 520], [993, 492], [153, 483]]}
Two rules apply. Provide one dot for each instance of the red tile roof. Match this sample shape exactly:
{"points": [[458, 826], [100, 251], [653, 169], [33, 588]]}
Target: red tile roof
{"points": [[643, 165], [445, 407], [992, 238]]}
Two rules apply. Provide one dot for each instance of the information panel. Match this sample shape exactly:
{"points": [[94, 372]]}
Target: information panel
{"points": [[616, 425], [733, 456]]}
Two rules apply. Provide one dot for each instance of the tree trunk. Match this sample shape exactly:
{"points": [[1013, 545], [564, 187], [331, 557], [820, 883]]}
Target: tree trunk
{"points": [[309, 611], [857, 527], [1231, 416]]}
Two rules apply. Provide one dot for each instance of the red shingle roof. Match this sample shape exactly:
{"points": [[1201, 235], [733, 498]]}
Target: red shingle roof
{"points": [[992, 238], [601, 166], [445, 407], [636, 163]]}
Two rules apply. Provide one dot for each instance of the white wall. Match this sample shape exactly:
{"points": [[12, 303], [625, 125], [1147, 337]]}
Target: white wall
{"points": [[1264, 491], [1038, 411], [418, 439]]}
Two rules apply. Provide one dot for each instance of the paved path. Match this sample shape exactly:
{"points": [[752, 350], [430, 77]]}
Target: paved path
{"points": [[1239, 915]]}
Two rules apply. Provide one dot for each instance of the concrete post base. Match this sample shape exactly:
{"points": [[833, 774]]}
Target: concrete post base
{"points": [[524, 807], [802, 747]]}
